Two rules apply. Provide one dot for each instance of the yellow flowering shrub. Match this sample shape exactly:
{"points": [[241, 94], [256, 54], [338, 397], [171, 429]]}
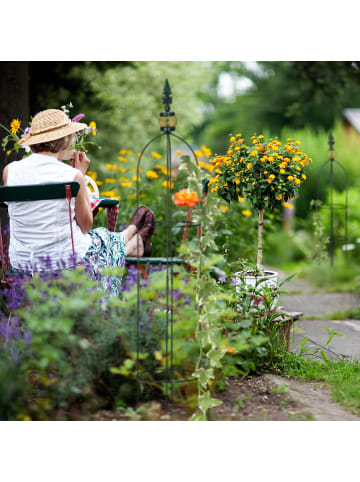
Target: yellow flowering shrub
{"points": [[267, 173]]}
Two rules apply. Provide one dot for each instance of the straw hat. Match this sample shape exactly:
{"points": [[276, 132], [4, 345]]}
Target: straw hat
{"points": [[49, 125]]}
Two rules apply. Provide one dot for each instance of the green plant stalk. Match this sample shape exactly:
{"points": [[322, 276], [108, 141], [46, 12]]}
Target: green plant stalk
{"points": [[260, 232]]}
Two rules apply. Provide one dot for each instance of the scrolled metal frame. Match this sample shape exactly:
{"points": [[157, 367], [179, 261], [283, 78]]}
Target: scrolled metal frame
{"points": [[331, 205], [169, 261]]}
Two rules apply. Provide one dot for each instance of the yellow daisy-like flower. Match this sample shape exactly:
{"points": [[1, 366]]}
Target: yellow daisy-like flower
{"points": [[240, 199], [282, 171], [121, 169], [287, 205], [109, 180], [279, 197], [108, 193], [297, 181], [272, 176], [8, 153], [92, 126], [224, 208], [126, 184], [124, 152], [92, 175], [303, 176], [246, 212], [99, 183], [255, 141], [249, 165], [206, 151], [156, 155], [298, 143], [179, 153], [136, 179], [122, 159], [110, 166], [229, 152], [167, 183], [15, 125], [261, 136], [123, 179], [152, 174], [232, 139], [290, 178]]}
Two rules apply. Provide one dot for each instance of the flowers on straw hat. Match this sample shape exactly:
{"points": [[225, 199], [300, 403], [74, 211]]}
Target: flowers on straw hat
{"points": [[49, 125]]}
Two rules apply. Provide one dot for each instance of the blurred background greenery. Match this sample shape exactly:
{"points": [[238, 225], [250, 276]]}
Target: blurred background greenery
{"points": [[298, 99]]}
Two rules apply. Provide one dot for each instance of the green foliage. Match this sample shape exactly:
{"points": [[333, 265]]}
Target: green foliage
{"points": [[342, 376], [281, 94], [129, 101], [267, 174], [69, 347]]}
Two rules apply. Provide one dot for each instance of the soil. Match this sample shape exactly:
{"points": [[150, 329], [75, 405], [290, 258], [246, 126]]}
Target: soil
{"points": [[264, 397]]}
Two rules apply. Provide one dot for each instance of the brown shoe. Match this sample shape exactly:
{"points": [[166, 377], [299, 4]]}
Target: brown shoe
{"points": [[147, 231], [139, 216]]}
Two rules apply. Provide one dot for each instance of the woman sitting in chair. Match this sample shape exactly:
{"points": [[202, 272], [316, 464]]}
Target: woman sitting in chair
{"points": [[39, 230]]}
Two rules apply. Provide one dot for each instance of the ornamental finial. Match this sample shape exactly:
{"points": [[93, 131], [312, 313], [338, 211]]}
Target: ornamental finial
{"points": [[167, 99]]}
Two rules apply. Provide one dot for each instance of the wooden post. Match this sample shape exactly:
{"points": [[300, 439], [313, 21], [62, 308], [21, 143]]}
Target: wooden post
{"points": [[260, 231]]}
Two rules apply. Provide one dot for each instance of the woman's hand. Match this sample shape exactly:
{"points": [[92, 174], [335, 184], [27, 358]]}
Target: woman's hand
{"points": [[81, 162]]}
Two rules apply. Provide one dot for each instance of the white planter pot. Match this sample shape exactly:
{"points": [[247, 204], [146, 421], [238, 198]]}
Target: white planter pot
{"points": [[253, 283]]}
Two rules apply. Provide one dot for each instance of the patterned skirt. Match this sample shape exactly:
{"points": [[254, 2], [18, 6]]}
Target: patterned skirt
{"points": [[107, 250]]}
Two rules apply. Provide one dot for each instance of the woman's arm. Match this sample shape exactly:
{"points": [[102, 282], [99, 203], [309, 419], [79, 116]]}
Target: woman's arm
{"points": [[5, 174], [83, 212]]}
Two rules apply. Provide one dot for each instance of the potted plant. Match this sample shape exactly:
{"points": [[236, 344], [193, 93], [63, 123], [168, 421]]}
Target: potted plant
{"points": [[266, 173]]}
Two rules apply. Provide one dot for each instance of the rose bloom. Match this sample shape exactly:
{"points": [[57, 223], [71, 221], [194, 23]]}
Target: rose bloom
{"points": [[186, 198]]}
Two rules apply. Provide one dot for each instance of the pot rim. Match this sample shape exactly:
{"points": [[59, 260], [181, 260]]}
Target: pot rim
{"points": [[267, 274]]}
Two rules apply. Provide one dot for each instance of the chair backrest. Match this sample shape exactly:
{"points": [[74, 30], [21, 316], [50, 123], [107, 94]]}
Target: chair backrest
{"points": [[35, 192]]}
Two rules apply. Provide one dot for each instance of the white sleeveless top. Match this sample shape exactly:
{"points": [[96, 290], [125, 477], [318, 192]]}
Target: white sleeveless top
{"points": [[41, 229]]}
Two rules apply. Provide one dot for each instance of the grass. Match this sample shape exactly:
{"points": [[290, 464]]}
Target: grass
{"points": [[341, 376], [341, 278]]}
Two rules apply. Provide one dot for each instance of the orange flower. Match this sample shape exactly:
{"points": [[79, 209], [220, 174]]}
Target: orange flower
{"points": [[186, 198]]}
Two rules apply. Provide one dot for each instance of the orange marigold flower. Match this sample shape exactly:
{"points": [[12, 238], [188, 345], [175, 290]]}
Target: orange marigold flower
{"points": [[186, 198]]}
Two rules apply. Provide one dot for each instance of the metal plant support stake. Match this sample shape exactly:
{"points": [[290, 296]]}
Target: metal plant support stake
{"points": [[167, 123], [334, 238]]}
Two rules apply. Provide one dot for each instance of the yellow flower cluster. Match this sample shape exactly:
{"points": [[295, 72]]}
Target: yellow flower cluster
{"points": [[267, 171]]}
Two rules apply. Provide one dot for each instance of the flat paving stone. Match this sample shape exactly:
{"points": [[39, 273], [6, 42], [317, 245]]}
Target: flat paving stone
{"points": [[319, 303], [340, 346]]}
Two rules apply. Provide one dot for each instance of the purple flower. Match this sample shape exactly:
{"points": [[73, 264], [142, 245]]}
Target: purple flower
{"points": [[78, 117], [234, 280], [222, 278], [26, 131]]}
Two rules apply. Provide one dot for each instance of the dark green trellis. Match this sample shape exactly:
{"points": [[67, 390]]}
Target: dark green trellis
{"points": [[334, 238], [167, 123]]}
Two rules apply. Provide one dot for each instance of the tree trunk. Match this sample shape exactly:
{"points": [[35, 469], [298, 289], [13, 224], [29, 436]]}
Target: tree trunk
{"points": [[14, 100], [260, 232], [14, 104]]}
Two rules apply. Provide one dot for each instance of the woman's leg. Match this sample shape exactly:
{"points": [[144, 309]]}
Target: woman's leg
{"points": [[129, 232], [131, 247]]}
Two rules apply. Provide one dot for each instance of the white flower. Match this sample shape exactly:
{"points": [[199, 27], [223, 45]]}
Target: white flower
{"points": [[348, 247]]}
